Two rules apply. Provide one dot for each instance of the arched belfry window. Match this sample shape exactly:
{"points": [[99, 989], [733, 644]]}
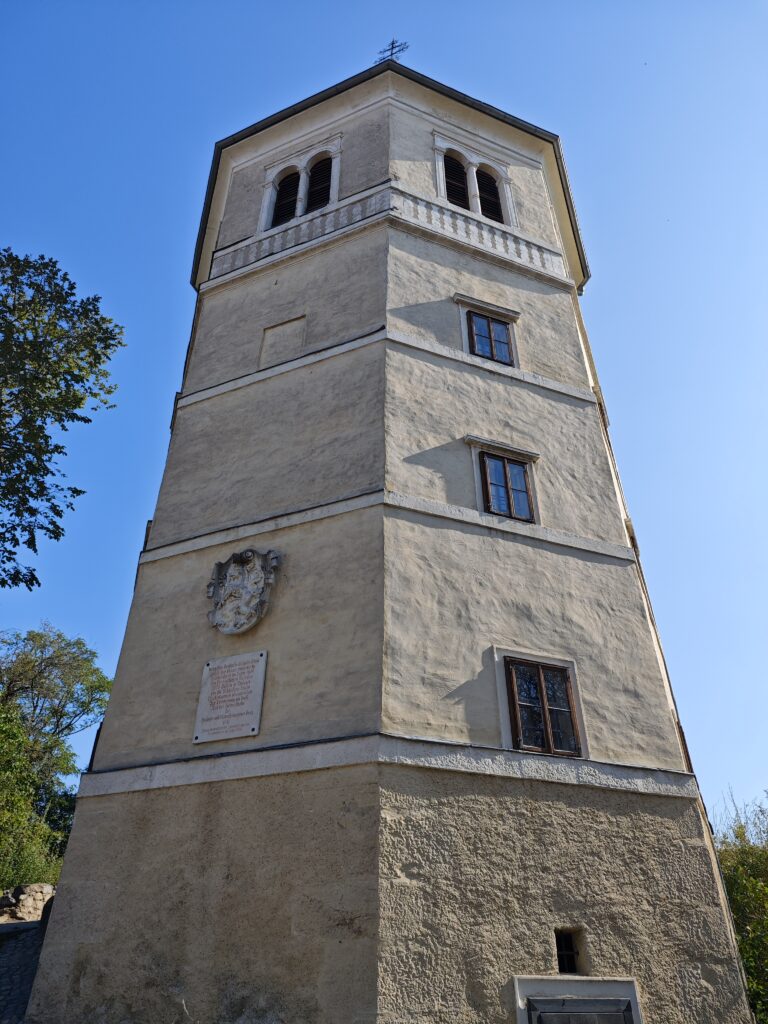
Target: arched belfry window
{"points": [[285, 199], [319, 188], [456, 190], [488, 194]]}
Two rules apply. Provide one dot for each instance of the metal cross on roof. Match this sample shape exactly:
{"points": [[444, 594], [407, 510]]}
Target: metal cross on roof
{"points": [[392, 50]]}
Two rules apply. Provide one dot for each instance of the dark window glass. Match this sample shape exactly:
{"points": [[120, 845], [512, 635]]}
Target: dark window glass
{"points": [[319, 190], [541, 708], [285, 200], [490, 338], [506, 487], [488, 190], [579, 1011], [567, 954], [456, 182]]}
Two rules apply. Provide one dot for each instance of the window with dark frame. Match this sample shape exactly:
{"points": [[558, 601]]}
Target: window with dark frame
{"points": [[506, 487], [567, 952], [490, 338], [541, 708], [285, 200]]}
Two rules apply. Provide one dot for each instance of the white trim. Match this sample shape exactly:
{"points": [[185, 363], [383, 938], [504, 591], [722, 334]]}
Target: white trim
{"points": [[533, 531], [301, 162], [480, 306], [397, 338], [472, 160], [254, 151], [394, 500], [274, 371], [389, 749], [500, 448], [489, 366], [542, 658], [563, 985], [269, 525]]}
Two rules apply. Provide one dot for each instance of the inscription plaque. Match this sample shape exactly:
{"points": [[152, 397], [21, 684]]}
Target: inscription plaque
{"points": [[231, 697]]}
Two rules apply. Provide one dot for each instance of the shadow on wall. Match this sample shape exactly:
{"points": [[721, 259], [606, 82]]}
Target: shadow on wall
{"points": [[442, 460]]}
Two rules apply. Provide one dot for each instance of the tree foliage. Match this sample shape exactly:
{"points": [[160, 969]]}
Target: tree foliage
{"points": [[54, 350], [742, 841], [29, 848], [50, 689]]}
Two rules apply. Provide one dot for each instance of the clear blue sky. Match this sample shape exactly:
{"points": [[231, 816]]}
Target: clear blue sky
{"points": [[111, 112]]}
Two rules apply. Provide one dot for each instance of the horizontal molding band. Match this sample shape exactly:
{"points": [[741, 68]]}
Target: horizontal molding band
{"points": [[428, 218], [392, 337], [391, 499], [392, 750]]}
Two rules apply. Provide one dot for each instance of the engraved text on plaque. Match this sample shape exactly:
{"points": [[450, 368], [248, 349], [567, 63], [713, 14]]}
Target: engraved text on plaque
{"points": [[230, 697]]}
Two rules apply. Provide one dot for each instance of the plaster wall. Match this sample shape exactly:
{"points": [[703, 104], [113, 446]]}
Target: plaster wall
{"points": [[433, 403], [323, 635], [379, 893], [476, 873], [287, 442], [423, 277], [250, 902], [455, 590], [364, 161], [339, 290], [413, 154]]}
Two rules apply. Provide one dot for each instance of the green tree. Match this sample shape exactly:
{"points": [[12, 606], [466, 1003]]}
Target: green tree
{"points": [[29, 849], [742, 842], [54, 350], [50, 689]]}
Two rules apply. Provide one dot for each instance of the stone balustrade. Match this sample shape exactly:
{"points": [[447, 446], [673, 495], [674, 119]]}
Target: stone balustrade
{"points": [[429, 216]]}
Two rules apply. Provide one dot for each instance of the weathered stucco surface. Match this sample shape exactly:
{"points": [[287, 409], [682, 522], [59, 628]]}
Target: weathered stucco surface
{"points": [[340, 291], [423, 277], [389, 894], [284, 444], [238, 903], [454, 590], [413, 156], [378, 894], [427, 455], [476, 873], [323, 634]]}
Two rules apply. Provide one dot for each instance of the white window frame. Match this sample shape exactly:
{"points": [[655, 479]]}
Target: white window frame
{"points": [[474, 161], [511, 317], [301, 162], [505, 712], [574, 986]]}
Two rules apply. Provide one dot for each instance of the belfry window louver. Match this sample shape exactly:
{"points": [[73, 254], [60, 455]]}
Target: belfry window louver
{"points": [[285, 200], [488, 191], [319, 190], [456, 189]]}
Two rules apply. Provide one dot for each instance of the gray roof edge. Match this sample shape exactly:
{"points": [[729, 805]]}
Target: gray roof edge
{"points": [[359, 79]]}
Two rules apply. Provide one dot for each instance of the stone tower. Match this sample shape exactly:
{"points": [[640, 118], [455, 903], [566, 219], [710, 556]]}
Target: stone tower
{"points": [[391, 737]]}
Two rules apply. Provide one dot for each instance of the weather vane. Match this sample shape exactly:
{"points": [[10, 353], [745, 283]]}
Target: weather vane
{"points": [[392, 50]]}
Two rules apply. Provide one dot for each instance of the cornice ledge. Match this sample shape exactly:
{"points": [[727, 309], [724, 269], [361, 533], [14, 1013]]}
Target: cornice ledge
{"points": [[395, 750], [531, 531]]}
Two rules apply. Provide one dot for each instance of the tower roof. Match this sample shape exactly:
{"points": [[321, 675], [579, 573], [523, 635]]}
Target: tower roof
{"points": [[423, 80]]}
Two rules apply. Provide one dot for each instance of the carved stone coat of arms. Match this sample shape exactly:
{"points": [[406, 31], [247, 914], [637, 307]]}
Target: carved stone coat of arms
{"points": [[240, 589]]}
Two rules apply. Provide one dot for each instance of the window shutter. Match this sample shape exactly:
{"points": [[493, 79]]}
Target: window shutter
{"points": [[456, 182], [319, 191], [488, 190], [285, 200]]}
